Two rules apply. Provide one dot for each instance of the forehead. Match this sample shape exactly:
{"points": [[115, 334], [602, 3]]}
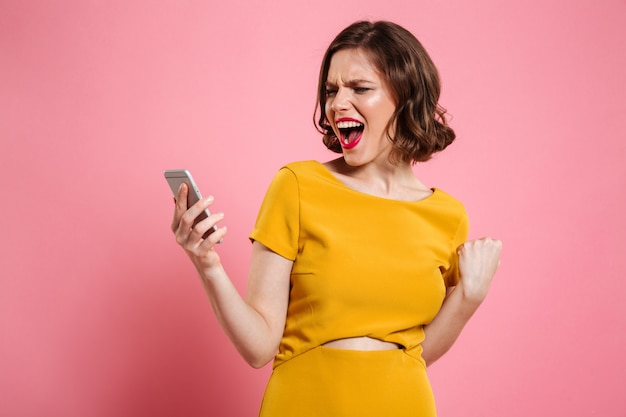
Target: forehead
{"points": [[352, 64]]}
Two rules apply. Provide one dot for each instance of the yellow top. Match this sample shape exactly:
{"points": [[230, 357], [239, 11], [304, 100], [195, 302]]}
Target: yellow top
{"points": [[363, 265]]}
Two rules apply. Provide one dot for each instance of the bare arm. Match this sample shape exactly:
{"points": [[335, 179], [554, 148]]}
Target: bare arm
{"points": [[254, 324], [478, 262]]}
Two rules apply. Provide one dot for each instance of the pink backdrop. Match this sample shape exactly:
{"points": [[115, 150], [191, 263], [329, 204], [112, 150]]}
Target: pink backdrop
{"points": [[102, 315]]}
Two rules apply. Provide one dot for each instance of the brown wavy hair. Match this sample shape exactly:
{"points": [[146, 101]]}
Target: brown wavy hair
{"points": [[421, 128]]}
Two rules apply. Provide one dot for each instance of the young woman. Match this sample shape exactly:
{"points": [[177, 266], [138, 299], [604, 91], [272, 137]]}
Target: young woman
{"points": [[360, 274]]}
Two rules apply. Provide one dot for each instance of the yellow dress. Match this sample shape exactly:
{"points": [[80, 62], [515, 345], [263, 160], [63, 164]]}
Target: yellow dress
{"points": [[363, 266]]}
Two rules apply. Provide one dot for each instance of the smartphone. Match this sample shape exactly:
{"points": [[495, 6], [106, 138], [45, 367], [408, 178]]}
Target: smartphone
{"points": [[176, 177]]}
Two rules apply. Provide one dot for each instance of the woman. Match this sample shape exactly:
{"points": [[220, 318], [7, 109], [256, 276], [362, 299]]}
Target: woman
{"points": [[360, 276]]}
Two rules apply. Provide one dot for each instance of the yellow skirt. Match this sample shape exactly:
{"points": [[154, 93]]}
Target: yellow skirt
{"points": [[333, 382]]}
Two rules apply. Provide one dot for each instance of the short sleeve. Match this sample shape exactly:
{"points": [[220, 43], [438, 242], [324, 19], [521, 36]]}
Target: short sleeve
{"points": [[451, 276], [278, 222]]}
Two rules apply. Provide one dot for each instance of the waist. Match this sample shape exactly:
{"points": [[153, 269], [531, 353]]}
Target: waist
{"points": [[361, 343]]}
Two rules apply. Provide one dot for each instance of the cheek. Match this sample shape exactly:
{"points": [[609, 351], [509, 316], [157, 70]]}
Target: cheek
{"points": [[376, 102], [381, 107]]}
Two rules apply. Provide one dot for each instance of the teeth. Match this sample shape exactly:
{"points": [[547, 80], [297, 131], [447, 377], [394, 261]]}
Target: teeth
{"points": [[348, 124]]}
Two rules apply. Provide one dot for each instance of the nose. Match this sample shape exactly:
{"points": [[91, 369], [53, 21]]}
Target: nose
{"points": [[341, 101]]}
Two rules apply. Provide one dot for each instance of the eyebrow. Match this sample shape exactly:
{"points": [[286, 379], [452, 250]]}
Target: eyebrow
{"points": [[352, 83]]}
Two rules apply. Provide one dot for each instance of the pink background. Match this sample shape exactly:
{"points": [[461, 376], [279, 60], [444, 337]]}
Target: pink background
{"points": [[102, 315]]}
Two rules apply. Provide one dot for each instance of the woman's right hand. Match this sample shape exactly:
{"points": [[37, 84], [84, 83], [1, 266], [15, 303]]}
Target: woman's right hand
{"points": [[201, 251], [254, 325]]}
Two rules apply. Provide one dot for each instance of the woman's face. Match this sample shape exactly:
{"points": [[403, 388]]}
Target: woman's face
{"points": [[359, 105]]}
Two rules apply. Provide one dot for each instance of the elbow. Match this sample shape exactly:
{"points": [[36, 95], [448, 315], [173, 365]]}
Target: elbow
{"points": [[258, 351], [431, 357], [258, 362], [258, 365], [258, 359]]}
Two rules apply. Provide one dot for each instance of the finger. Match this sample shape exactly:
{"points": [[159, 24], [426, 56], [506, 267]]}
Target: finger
{"points": [[181, 197], [209, 225], [214, 238], [189, 217], [493, 245], [180, 206], [483, 241]]}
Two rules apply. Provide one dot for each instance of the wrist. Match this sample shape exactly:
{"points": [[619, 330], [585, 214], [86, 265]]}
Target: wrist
{"points": [[471, 298], [209, 273]]}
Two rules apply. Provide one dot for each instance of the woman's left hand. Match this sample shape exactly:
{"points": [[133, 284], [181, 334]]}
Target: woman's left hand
{"points": [[478, 261]]}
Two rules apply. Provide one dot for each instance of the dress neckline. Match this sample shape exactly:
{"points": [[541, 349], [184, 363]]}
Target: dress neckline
{"points": [[329, 174]]}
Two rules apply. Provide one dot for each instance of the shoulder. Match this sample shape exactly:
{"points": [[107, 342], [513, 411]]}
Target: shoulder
{"points": [[443, 197], [302, 167], [450, 208], [290, 176], [302, 171]]}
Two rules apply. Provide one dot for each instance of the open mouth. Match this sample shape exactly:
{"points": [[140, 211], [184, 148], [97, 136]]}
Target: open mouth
{"points": [[350, 133]]}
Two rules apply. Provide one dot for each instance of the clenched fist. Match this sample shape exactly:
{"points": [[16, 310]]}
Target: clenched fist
{"points": [[478, 261]]}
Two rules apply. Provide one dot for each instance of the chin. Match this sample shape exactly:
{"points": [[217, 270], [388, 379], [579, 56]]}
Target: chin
{"points": [[353, 160]]}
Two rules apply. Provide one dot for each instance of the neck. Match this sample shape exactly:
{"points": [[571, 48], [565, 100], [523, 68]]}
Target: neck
{"points": [[385, 180]]}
